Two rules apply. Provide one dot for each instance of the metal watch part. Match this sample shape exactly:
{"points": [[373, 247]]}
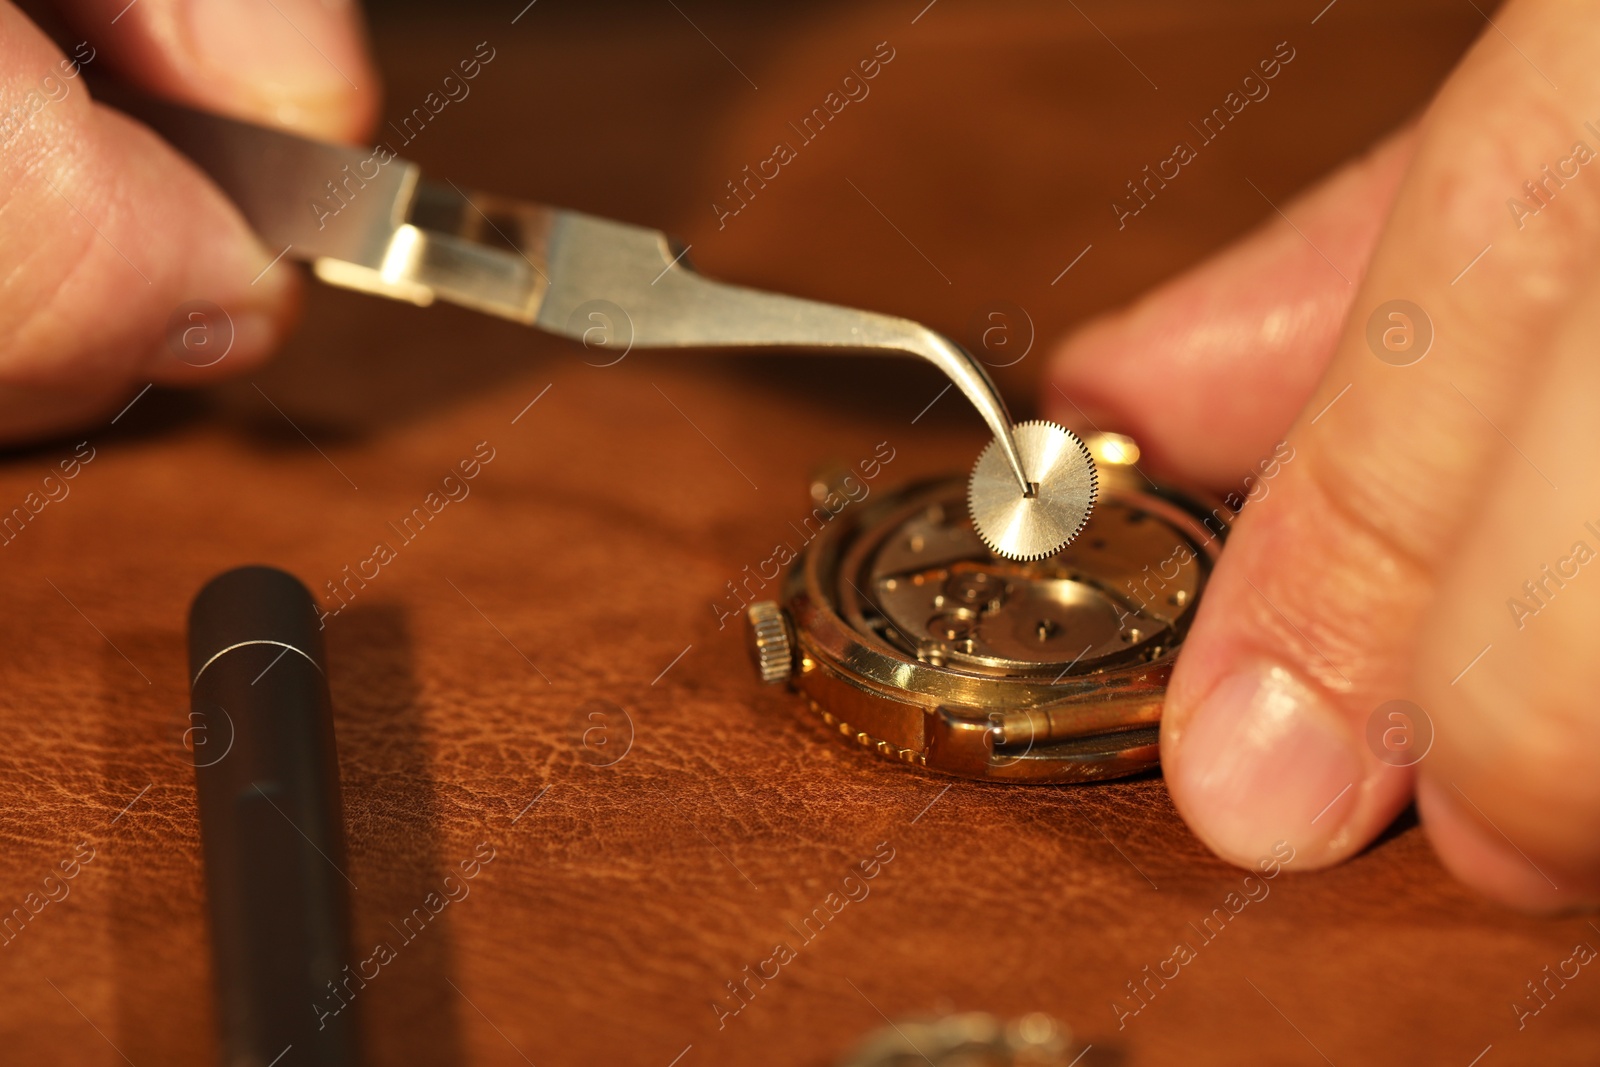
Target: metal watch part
{"points": [[769, 645], [968, 1039], [1061, 491], [907, 635]]}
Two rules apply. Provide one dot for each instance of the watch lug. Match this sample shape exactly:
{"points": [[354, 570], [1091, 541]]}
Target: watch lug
{"points": [[960, 742]]}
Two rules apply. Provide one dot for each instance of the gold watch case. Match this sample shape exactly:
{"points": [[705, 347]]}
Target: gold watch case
{"points": [[906, 635]]}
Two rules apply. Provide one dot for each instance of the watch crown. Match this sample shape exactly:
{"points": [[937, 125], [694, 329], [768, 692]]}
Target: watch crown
{"points": [[768, 641]]}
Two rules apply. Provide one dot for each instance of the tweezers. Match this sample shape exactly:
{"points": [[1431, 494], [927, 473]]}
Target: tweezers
{"points": [[366, 220]]}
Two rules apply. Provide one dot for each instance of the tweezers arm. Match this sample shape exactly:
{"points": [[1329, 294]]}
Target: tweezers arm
{"points": [[365, 220], [667, 304], [320, 200]]}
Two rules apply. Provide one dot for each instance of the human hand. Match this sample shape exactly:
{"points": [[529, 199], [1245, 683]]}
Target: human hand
{"points": [[106, 232], [1425, 534]]}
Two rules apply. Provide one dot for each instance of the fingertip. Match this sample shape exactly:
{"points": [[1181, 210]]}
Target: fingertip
{"points": [[1209, 369], [1263, 758], [204, 341], [1080, 401], [1477, 853], [300, 64], [303, 65]]}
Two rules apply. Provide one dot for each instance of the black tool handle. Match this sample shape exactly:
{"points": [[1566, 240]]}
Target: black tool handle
{"points": [[261, 728]]}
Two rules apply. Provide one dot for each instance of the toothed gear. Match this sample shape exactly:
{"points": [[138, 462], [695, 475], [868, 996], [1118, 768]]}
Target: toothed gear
{"points": [[1027, 528], [768, 642]]}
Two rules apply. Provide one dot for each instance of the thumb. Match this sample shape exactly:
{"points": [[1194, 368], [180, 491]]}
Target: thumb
{"points": [[106, 235]]}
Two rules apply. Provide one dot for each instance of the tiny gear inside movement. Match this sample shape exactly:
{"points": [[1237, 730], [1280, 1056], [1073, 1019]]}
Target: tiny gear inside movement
{"points": [[1039, 524]]}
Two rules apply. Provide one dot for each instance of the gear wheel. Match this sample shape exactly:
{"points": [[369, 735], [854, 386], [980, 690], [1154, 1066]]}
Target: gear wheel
{"points": [[1065, 484]]}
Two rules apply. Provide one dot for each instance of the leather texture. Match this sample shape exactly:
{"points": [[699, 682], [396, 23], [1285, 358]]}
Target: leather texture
{"points": [[538, 675]]}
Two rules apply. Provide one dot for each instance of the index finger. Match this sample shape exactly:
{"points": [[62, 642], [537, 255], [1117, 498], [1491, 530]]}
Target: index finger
{"points": [[299, 64]]}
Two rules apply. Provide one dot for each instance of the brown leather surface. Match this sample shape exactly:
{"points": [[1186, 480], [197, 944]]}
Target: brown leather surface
{"points": [[583, 565]]}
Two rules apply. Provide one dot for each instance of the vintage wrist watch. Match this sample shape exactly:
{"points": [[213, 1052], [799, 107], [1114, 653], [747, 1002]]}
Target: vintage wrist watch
{"points": [[908, 636]]}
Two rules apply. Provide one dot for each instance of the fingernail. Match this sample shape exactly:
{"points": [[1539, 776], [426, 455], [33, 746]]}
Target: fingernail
{"points": [[202, 341], [299, 61], [1265, 759]]}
